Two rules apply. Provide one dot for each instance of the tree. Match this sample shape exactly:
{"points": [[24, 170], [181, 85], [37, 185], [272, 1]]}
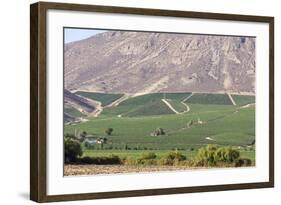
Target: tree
{"points": [[126, 147], [83, 135], [109, 131], [160, 131], [87, 145], [104, 140], [72, 150]]}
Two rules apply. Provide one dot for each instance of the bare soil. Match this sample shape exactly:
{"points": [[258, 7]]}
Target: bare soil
{"points": [[71, 170]]}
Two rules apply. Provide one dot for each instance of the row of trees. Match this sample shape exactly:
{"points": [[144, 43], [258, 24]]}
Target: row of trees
{"points": [[208, 156]]}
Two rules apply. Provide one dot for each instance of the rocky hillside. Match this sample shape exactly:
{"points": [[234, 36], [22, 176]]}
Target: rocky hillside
{"points": [[73, 101], [142, 62]]}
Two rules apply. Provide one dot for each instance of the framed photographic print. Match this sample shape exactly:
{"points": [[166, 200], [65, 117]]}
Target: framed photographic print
{"points": [[135, 102]]}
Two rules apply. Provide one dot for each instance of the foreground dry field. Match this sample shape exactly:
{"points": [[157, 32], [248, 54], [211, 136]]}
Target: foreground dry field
{"points": [[72, 170]]}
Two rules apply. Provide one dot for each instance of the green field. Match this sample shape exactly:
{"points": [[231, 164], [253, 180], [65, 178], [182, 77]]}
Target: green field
{"points": [[243, 100], [214, 121], [202, 98], [104, 98], [177, 105], [148, 109], [73, 112], [147, 105]]}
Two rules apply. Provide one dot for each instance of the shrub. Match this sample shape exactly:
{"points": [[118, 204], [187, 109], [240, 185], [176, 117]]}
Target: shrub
{"points": [[86, 160], [109, 131], [83, 134], [176, 156], [160, 131], [226, 154], [206, 156], [126, 147], [212, 156], [87, 145], [72, 150], [147, 162], [164, 161], [173, 158], [137, 162], [130, 161], [69, 136], [148, 158], [113, 159], [243, 162], [148, 155]]}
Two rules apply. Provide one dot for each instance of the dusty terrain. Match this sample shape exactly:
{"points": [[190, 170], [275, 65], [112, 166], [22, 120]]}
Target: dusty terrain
{"points": [[145, 62], [114, 169]]}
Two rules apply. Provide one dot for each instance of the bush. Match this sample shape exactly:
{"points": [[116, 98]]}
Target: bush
{"points": [[137, 162], [176, 156], [160, 131], [206, 156], [149, 155], [131, 161], [72, 150], [148, 158], [212, 156], [243, 163], [109, 131], [226, 154], [86, 160], [173, 158], [147, 162], [164, 161], [69, 136], [114, 159]]}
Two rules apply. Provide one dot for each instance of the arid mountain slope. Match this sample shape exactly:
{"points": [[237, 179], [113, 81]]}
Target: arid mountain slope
{"points": [[79, 103], [142, 62]]}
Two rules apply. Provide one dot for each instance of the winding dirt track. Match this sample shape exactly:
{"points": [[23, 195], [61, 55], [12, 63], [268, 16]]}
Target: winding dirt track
{"points": [[231, 99], [170, 106], [182, 102]]}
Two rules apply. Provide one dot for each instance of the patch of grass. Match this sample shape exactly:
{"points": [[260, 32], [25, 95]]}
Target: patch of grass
{"points": [[176, 96], [233, 138], [149, 109], [177, 105], [73, 112], [104, 98], [204, 98], [135, 131], [146, 105], [243, 99]]}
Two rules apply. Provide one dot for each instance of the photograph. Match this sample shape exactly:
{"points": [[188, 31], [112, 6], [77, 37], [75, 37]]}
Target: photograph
{"points": [[149, 101]]}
